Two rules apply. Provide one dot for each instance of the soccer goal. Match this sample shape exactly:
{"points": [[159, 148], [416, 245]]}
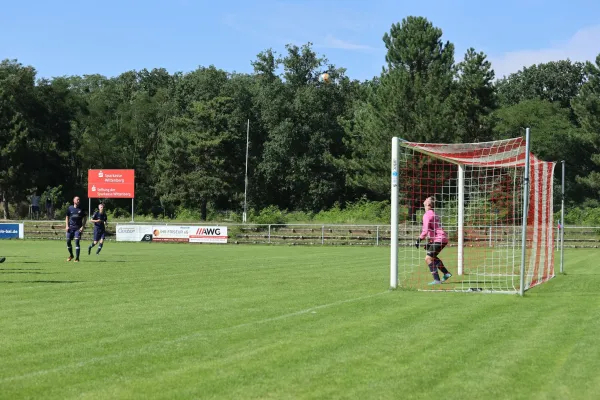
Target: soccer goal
{"points": [[495, 203]]}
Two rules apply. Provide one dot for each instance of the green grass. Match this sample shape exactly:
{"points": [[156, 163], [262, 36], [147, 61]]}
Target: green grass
{"points": [[184, 321]]}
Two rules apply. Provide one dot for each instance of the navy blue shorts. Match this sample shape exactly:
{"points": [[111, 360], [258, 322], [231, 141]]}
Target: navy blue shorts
{"points": [[98, 234], [73, 234]]}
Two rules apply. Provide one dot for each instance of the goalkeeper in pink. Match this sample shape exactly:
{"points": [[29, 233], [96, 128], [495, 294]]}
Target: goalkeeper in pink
{"points": [[438, 239]]}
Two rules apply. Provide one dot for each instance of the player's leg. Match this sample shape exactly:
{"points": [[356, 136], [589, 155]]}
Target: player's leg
{"points": [[94, 241], [430, 261], [100, 242], [70, 235], [77, 248], [440, 264]]}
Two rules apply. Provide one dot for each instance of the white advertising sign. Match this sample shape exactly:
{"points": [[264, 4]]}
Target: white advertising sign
{"points": [[209, 234], [134, 233], [167, 233], [171, 233]]}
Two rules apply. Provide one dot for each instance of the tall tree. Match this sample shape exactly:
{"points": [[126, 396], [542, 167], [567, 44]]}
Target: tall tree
{"points": [[192, 164], [553, 137], [415, 89], [57, 107], [475, 98], [554, 81], [17, 131], [412, 99], [299, 168], [587, 108]]}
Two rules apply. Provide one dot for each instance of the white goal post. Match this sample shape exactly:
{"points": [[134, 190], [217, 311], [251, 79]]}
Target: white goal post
{"points": [[495, 203]]}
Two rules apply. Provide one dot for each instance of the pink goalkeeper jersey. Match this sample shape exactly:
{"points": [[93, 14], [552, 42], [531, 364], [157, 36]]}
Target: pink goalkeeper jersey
{"points": [[432, 227]]}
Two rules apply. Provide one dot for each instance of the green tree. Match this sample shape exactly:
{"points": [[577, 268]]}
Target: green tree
{"points": [[121, 124], [553, 137], [17, 131], [554, 81], [587, 109], [475, 98], [412, 99], [299, 167], [57, 107], [192, 164]]}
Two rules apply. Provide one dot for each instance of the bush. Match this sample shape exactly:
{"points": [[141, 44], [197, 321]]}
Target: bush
{"points": [[117, 213], [581, 216], [362, 211], [186, 215], [269, 215], [60, 212]]}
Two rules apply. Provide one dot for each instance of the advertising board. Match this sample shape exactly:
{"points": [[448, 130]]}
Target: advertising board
{"points": [[111, 183], [134, 233], [11, 231], [171, 233]]}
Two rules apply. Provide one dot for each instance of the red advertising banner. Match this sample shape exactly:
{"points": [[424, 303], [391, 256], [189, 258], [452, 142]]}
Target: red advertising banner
{"points": [[111, 183]]}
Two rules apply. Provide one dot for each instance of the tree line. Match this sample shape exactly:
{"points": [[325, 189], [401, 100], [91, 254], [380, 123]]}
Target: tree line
{"points": [[313, 144]]}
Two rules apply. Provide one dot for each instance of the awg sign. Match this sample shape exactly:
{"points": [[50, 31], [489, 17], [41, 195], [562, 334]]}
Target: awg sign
{"points": [[111, 183]]}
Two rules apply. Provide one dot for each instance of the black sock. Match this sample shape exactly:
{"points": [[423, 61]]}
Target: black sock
{"points": [[69, 247], [99, 248], [77, 248], [91, 246], [434, 271], [440, 264]]}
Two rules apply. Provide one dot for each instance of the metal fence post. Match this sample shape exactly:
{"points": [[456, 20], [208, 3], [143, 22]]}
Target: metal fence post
{"points": [[322, 235], [377, 237], [269, 233]]}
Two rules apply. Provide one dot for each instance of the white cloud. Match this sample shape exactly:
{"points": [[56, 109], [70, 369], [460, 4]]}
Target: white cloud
{"points": [[320, 29], [584, 45], [331, 42]]}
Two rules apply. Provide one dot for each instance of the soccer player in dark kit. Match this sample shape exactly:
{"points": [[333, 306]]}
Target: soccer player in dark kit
{"points": [[99, 219], [75, 222]]}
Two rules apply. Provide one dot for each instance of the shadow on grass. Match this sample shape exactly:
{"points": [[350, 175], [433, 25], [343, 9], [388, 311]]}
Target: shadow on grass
{"points": [[21, 269], [41, 281], [27, 272]]}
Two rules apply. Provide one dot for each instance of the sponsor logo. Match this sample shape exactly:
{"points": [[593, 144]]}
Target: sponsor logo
{"points": [[208, 232], [10, 231], [164, 232], [126, 230]]}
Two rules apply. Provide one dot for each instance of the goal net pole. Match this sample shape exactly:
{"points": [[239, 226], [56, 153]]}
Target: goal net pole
{"points": [[525, 211], [394, 218], [461, 218], [562, 219]]}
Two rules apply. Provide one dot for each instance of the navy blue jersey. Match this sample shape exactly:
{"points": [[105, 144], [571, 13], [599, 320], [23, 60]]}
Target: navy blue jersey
{"points": [[76, 216], [102, 217]]}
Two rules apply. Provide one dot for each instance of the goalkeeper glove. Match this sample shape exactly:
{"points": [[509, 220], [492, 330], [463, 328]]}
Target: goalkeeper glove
{"points": [[418, 242]]}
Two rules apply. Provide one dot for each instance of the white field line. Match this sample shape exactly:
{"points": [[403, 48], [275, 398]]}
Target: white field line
{"points": [[155, 346]]}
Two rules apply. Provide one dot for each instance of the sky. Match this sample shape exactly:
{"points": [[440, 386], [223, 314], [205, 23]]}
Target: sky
{"points": [[109, 37]]}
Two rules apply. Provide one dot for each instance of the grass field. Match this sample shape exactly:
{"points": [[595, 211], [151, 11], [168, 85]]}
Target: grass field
{"points": [[183, 321]]}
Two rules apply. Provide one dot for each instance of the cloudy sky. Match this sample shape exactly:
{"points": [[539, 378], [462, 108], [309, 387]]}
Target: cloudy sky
{"points": [[109, 37]]}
